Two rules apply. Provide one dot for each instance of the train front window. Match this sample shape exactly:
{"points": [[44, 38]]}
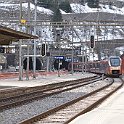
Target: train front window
{"points": [[115, 61]]}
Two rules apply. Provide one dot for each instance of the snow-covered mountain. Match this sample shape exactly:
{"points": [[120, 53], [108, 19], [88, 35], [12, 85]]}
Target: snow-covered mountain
{"points": [[10, 10], [78, 8]]}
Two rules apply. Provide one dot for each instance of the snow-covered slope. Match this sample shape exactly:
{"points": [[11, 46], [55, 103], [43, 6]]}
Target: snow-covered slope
{"points": [[9, 6], [10, 10], [78, 8]]}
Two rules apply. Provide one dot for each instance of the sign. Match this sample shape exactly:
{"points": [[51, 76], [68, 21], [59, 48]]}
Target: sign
{"points": [[68, 60], [23, 21], [59, 57]]}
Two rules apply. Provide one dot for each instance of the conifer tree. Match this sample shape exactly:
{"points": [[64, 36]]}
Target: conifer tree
{"points": [[65, 6], [93, 3], [57, 17]]}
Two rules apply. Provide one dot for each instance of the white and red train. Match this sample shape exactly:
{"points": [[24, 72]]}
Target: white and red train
{"points": [[111, 66]]}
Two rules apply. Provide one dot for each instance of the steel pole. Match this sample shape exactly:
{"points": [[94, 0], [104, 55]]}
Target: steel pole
{"points": [[20, 47], [28, 31], [48, 59], [82, 59], [20, 60], [72, 69], [20, 10], [34, 63]]}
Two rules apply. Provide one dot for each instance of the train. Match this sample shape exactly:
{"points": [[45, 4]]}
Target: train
{"points": [[113, 66], [122, 65], [110, 67]]}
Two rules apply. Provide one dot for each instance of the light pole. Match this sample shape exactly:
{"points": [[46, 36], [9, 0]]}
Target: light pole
{"points": [[72, 54], [34, 63], [20, 46], [20, 60], [82, 50], [58, 67], [28, 30], [48, 59], [59, 47]]}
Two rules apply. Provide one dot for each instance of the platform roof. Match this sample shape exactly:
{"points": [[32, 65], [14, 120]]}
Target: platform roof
{"points": [[8, 35]]}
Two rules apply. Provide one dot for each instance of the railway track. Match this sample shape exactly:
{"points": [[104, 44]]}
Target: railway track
{"points": [[66, 112], [20, 96]]}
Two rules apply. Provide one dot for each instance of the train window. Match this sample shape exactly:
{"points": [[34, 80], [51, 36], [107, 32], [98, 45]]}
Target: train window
{"points": [[115, 61]]}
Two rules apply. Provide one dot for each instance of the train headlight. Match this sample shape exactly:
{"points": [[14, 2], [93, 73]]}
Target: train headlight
{"points": [[114, 68]]}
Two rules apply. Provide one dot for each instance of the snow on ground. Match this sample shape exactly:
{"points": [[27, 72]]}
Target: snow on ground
{"points": [[25, 5], [41, 9], [78, 8]]}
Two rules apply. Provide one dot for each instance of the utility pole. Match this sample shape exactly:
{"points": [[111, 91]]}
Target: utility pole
{"points": [[72, 56], [28, 31], [35, 19], [97, 33], [48, 58], [20, 47], [82, 51], [20, 10]]}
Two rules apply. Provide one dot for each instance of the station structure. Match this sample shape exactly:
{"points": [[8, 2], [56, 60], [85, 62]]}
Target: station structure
{"points": [[7, 36]]}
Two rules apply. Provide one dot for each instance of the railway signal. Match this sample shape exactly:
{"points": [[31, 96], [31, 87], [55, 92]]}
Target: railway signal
{"points": [[92, 42], [43, 49], [2, 49]]}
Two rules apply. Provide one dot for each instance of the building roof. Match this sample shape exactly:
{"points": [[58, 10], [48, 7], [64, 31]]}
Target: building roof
{"points": [[8, 35]]}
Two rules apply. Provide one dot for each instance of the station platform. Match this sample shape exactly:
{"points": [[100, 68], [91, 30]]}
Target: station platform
{"points": [[110, 111], [41, 79]]}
